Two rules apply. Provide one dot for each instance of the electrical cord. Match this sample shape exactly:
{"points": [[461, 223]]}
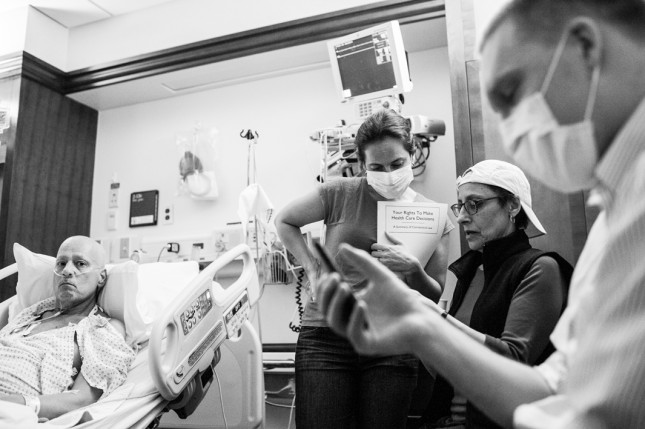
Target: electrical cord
{"points": [[277, 392], [171, 247], [420, 157], [300, 307], [221, 399], [162, 249], [293, 407], [274, 404]]}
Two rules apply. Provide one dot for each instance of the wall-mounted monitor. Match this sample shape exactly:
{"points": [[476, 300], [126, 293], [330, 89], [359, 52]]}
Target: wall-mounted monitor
{"points": [[370, 63]]}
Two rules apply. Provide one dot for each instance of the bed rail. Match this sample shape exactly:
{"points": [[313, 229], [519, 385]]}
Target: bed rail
{"points": [[184, 340], [8, 270]]}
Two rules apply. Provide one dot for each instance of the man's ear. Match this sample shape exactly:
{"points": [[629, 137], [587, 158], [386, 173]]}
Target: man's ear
{"points": [[102, 278], [586, 33]]}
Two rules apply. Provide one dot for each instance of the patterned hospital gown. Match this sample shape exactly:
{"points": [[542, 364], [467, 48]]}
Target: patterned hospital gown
{"points": [[42, 363]]}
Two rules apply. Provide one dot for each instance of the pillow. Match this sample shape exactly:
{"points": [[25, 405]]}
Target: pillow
{"points": [[140, 302], [35, 278], [118, 298], [160, 283]]}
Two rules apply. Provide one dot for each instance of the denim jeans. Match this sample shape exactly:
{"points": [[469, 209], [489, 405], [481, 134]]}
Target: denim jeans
{"points": [[336, 388]]}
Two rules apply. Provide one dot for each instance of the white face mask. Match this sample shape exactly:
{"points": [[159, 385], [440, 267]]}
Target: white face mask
{"points": [[391, 185], [561, 156]]}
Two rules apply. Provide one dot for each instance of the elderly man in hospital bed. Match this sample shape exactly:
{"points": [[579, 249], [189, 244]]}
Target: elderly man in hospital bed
{"points": [[64, 352]]}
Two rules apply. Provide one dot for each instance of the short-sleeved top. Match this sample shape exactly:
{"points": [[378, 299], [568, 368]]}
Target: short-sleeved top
{"points": [[43, 363], [350, 216]]}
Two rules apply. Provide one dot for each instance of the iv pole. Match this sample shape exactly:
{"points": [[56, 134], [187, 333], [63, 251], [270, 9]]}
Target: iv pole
{"points": [[251, 177]]}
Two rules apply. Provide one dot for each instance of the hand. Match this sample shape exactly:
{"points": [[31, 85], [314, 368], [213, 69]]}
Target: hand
{"points": [[387, 316], [396, 257]]}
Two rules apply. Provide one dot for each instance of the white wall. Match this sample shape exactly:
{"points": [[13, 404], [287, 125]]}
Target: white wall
{"points": [[485, 11], [180, 22], [26, 29], [46, 39], [13, 29], [138, 144]]}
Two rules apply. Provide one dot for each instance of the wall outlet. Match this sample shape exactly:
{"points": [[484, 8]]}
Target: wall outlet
{"points": [[113, 201], [168, 215]]}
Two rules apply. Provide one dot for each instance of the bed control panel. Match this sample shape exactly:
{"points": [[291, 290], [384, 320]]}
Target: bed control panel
{"points": [[196, 311], [215, 336], [236, 315]]}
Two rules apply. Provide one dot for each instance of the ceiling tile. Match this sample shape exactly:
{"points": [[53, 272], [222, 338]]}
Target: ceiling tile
{"points": [[70, 13], [119, 7]]}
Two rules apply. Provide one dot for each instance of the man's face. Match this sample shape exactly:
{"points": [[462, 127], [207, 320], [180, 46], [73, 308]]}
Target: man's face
{"points": [[79, 272], [514, 66]]}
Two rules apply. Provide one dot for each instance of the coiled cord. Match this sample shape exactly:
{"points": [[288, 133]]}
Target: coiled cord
{"points": [[299, 285]]}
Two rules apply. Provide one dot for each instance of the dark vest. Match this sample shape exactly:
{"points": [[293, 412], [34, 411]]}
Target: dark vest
{"points": [[506, 263]]}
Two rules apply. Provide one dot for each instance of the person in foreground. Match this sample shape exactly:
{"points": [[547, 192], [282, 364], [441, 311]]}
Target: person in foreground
{"points": [[566, 77], [337, 388], [509, 296], [64, 352]]}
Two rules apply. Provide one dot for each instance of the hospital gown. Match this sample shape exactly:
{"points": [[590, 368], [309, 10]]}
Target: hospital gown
{"points": [[42, 363]]}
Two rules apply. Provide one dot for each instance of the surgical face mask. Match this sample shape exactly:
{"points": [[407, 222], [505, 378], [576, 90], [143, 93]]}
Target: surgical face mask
{"points": [[561, 156], [391, 185]]}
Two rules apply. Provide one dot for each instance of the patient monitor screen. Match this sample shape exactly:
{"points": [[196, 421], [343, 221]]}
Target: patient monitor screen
{"points": [[196, 311], [365, 64]]}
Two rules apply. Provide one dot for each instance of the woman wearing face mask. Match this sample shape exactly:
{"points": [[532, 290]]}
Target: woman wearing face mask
{"points": [[509, 296], [337, 388]]}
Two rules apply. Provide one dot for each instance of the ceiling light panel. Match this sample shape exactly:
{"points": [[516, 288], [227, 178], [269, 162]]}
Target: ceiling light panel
{"points": [[71, 13], [120, 7]]}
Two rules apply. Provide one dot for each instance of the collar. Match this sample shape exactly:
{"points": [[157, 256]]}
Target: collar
{"points": [[494, 254], [622, 152]]}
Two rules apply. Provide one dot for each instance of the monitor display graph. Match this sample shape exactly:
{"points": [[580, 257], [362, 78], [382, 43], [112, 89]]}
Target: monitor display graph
{"points": [[366, 65]]}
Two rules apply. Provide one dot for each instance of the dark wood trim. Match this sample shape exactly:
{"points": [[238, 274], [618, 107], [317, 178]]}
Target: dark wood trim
{"points": [[460, 25], [25, 64], [44, 200], [45, 74], [10, 65], [250, 42], [265, 39]]}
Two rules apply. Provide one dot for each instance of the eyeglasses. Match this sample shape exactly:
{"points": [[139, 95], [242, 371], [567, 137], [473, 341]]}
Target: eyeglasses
{"points": [[82, 267], [471, 206]]}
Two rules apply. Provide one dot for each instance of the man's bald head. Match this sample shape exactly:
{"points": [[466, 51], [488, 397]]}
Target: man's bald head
{"points": [[87, 247], [80, 273]]}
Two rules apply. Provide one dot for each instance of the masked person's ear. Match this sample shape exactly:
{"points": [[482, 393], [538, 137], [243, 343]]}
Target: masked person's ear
{"points": [[587, 35]]}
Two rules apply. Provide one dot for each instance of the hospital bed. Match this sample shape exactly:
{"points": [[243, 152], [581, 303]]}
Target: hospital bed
{"points": [[178, 364]]}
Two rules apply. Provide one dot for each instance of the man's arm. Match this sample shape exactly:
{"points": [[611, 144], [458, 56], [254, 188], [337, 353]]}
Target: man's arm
{"points": [[391, 319], [80, 395]]}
